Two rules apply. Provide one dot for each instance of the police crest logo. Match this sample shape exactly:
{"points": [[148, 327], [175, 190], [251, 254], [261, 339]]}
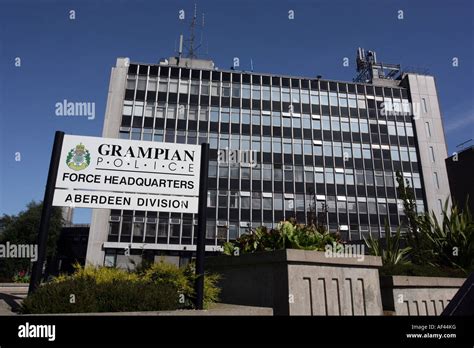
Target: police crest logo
{"points": [[78, 158]]}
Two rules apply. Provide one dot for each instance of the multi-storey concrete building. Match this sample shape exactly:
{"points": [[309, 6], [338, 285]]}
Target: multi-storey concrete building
{"points": [[319, 145]]}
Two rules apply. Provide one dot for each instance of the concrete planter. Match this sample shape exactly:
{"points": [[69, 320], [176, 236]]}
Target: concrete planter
{"points": [[300, 282], [406, 295]]}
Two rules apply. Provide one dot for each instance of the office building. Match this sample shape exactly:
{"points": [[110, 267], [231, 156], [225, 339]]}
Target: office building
{"points": [[318, 145]]}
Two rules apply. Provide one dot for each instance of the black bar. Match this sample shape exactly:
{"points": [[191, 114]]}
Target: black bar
{"points": [[46, 211], [201, 230]]}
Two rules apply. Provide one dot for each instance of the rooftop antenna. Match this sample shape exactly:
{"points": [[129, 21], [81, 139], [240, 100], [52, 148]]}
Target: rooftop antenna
{"points": [[369, 69], [191, 44], [251, 65]]}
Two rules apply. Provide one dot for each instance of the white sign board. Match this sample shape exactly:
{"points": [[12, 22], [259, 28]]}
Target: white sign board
{"points": [[130, 201], [117, 166]]}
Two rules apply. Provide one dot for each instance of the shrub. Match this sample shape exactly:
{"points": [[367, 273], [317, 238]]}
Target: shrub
{"points": [[92, 296], [160, 286]]}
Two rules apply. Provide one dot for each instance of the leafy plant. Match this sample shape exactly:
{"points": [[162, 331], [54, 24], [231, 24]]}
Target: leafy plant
{"points": [[451, 240], [287, 235], [391, 253]]}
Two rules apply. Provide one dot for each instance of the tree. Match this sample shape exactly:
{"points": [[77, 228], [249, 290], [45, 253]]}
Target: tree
{"points": [[23, 229]]}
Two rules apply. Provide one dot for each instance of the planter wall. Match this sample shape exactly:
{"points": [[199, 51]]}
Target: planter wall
{"points": [[406, 295], [300, 282]]}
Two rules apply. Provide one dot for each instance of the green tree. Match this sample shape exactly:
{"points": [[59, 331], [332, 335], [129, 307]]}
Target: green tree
{"points": [[23, 229]]}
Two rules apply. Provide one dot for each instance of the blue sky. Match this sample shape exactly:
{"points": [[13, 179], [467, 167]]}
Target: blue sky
{"points": [[71, 59]]}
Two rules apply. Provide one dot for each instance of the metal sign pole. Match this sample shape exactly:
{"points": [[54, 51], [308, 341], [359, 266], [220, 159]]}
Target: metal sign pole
{"points": [[201, 230], [46, 211]]}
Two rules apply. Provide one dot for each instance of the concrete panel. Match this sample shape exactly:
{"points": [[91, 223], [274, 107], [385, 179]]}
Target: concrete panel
{"points": [[424, 88], [418, 295], [100, 217], [299, 282]]}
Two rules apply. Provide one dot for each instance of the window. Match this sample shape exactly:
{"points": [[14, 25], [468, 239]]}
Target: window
{"points": [[329, 175], [211, 198], [266, 93], [318, 150], [226, 89], [391, 128], [372, 207], [326, 123], [369, 176], [427, 129], [255, 92], [316, 124], [215, 115], [345, 126], [222, 199], [295, 95], [362, 207], [339, 178], [285, 95], [204, 88], [359, 177], [152, 85], [379, 178], [395, 155], [276, 93], [246, 91], [389, 179], [163, 86], [432, 154], [184, 87], [141, 83], [130, 83], [357, 150], [323, 96], [400, 130], [267, 203], [289, 204], [319, 178], [382, 208], [404, 153], [364, 127], [245, 202], [194, 87], [327, 148], [127, 108], [367, 153], [409, 129], [173, 86], [435, 179], [423, 103], [412, 152], [305, 97], [236, 91]]}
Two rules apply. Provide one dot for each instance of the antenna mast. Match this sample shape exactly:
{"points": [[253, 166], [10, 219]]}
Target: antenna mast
{"points": [[191, 44]]}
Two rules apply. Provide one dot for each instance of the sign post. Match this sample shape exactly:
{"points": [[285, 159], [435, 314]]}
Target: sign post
{"points": [[201, 230], [42, 241]]}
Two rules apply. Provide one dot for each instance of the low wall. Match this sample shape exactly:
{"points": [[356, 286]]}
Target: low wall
{"points": [[300, 282], [405, 295]]}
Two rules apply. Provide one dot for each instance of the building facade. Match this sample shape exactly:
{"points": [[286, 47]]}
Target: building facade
{"points": [[315, 146]]}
